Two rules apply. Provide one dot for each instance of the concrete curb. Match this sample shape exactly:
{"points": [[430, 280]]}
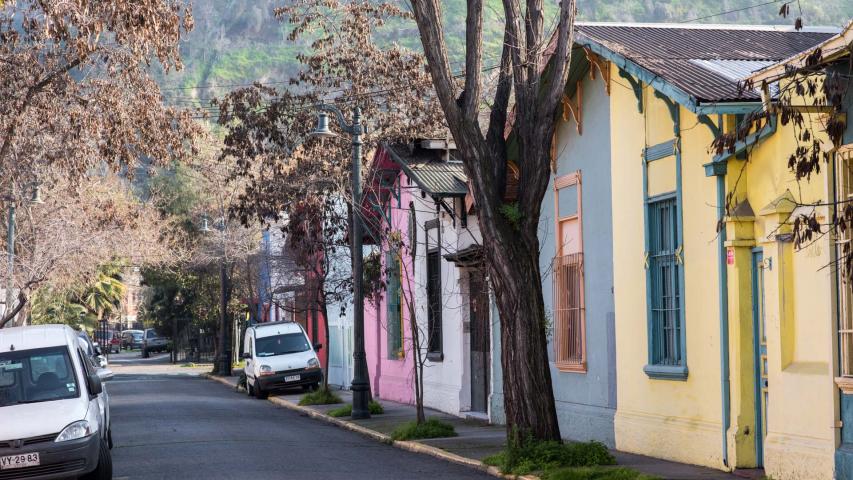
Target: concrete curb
{"points": [[411, 446]]}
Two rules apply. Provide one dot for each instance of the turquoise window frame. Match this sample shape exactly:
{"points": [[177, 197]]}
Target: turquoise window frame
{"points": [[656, 368], [393, 317]]}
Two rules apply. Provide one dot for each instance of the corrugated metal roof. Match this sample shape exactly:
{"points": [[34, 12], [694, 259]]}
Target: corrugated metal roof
{"points": [[701, 61], [428, 169]]}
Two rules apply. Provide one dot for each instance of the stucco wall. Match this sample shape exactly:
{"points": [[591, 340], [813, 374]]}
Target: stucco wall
{"points": [[586, 402], [678, 420]]}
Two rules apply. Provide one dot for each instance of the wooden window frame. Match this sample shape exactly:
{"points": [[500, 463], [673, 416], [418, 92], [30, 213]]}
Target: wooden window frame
{"points": [[565, 359]]}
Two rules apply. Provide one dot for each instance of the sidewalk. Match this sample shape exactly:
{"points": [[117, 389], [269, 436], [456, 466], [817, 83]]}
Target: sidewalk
{"points": [[476, 439]]}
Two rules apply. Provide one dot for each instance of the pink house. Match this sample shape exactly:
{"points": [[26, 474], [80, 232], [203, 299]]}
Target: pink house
{"points": [[386, 319]]}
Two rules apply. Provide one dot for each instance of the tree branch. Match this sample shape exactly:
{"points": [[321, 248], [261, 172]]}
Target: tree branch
{"points": [[22, 300], [473, 58]]}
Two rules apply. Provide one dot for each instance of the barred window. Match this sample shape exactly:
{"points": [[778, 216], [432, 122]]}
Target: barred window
{"points": [[568, 277]]}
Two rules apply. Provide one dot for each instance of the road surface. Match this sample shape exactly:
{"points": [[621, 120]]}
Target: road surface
{"points": [[168, 423]]}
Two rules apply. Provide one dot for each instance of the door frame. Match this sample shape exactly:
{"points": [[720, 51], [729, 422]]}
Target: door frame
{"points": [[758, 294]]}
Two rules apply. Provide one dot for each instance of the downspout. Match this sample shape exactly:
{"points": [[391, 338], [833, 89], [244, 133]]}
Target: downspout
{"points": [[725, 383]]}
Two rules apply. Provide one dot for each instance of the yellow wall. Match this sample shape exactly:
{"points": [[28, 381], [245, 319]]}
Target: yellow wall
{"points": [[664, 418], [798, 313], [682, 421]]}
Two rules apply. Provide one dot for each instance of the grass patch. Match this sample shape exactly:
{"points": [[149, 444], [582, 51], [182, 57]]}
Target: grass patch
{"points": [[320, 397], [346, 410], [533, 456], [432, 428], [596, 473]]}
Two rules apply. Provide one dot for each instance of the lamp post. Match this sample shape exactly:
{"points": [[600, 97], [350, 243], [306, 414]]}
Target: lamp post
{"points": [[10, 247], [360, 384], [224, 367]]}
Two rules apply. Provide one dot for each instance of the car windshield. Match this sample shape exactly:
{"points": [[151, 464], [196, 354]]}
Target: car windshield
{"points": [[281, 344], [37, 375]]}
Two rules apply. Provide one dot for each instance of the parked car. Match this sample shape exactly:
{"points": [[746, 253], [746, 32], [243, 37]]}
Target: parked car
{"points": [[279, 355], [92, 349], [131, 339], [108, 340], [151, 342], [60, 408]]}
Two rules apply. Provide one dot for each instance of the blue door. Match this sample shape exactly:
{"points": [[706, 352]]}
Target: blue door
{"points": [[760, 347]]}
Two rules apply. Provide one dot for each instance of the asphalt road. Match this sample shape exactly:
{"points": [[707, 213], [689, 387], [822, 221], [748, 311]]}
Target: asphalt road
{"points": [[186, 427]]}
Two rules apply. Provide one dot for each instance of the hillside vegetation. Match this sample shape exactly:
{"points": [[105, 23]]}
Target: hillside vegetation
{"points": [[236, 42]]}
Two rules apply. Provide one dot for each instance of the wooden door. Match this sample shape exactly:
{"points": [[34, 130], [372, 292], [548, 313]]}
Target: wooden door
{"points": [[479, 340]]}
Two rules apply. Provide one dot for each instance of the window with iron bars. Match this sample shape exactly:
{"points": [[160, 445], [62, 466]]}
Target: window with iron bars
{"points": [[570, 347], [664, 268], [844, 245]]}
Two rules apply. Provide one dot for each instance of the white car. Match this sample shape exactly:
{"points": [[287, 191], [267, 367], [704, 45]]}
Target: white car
{"points": [[279, 355], [55, 409]]}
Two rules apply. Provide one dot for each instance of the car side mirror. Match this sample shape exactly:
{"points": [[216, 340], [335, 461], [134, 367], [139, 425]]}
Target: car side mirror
{"points": [[105, 374], [98, 350], [247, 355], [102, 361], [318, 347], [93, 383]]}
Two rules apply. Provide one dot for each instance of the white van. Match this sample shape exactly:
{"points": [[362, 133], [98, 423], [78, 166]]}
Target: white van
{"points": [[279, 355], [54, 412]]}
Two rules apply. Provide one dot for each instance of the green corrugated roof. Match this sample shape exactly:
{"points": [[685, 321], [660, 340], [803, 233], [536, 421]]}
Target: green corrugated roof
{"points": [[435, 176]]}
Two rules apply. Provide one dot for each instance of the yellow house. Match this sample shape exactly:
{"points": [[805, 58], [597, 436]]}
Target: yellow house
{"points": [[724, 337]]}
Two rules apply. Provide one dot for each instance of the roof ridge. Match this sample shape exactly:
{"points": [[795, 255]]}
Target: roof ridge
{"points": [[716, 26]]}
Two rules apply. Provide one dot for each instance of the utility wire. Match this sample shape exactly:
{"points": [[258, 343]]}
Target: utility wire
{"points": [[750, 7]]}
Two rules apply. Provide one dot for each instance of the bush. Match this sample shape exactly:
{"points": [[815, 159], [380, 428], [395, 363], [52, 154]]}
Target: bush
{"points": [[346, 410], [432, 428], [320, 397], [531, 456]]}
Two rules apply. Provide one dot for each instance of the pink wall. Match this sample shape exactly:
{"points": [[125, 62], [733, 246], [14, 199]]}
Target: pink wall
{"points": [[391, 379]]}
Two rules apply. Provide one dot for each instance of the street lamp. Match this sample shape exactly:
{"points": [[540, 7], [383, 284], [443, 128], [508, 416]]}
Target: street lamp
{"points": [[224, 367], [360, 384]]}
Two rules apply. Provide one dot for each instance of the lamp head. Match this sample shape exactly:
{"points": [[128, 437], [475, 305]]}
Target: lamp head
{"points": [[36, 197], [322, 129]]}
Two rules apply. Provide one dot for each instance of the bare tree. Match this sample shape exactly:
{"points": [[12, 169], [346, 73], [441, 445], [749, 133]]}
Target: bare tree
{"points": [[534, 69]]}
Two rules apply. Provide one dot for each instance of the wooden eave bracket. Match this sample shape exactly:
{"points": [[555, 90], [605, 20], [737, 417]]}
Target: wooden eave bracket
{"points": [[575, 108], [636, 85], [598, 63]]}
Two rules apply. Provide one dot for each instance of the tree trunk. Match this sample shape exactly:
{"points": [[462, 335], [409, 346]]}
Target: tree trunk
{"points": [[528, 394]]}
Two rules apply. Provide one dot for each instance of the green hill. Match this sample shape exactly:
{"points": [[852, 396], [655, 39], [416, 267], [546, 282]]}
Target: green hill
{"points": [[236, 42]]}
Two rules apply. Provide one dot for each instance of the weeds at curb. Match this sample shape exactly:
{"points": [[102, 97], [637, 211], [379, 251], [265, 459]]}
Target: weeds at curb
{"points": [[432, 428]]}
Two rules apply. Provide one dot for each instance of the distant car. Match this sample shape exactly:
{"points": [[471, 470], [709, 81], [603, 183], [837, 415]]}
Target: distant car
{"points": [[131, 339], [57, 406], [280, 355], [108, 340], [151, 342]]}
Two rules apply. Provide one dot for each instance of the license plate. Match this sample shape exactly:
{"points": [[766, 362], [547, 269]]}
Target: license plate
{"points": [[19, 461], [292, 378]]}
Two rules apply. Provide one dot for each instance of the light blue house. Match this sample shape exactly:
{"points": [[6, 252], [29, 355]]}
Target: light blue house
{"points": [[576, 261]]}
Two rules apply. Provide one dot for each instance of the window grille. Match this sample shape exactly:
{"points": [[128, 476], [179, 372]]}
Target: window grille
{"points": [[844, 192], [664, 265], [394, 321], [569, 334]]}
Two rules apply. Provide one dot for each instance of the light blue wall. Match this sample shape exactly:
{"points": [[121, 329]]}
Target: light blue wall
{"points": [[586, 402]]}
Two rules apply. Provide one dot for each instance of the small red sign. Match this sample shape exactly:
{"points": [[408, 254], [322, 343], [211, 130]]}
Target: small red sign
{"points": [[730, 256]]}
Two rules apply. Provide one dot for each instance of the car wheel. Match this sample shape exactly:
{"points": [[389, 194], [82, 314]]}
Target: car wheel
{"points": [[260, 393], [144, 353], [104, 470], [110, 438], [249, 390]]}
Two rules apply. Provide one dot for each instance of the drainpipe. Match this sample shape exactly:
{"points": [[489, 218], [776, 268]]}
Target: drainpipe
{"points": [[718, 169], [725, 384]]}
